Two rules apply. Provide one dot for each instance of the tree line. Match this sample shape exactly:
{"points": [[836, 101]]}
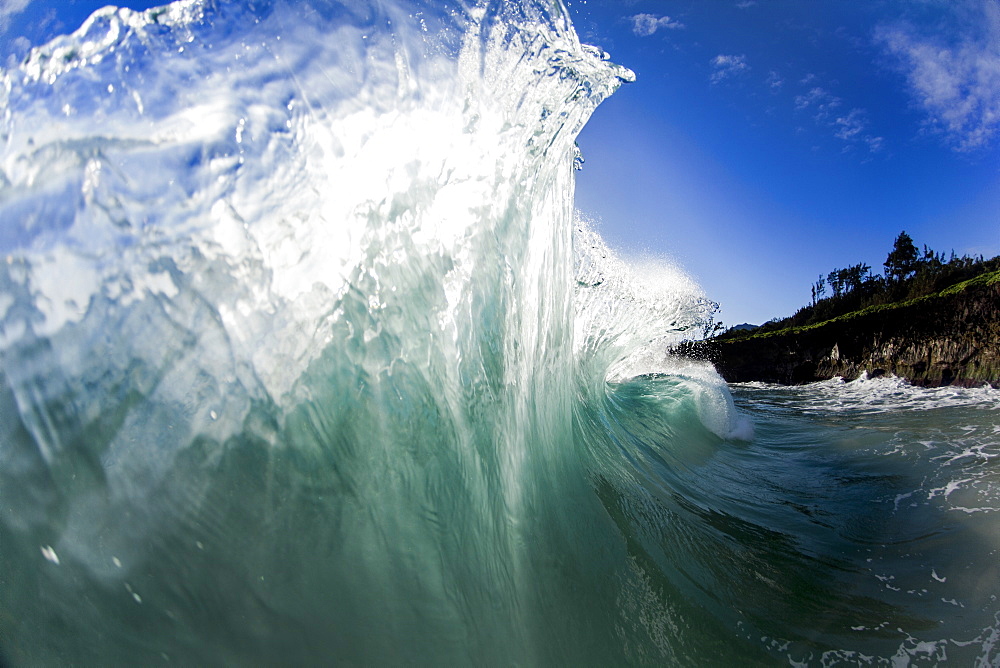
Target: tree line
{"points": [[908, 273]]}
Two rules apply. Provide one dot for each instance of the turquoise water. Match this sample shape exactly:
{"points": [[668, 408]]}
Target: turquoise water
{"points": [[306, 358]]}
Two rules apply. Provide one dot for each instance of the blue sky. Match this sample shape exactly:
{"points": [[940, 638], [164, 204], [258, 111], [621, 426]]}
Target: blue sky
{"points": [[767, 142]]}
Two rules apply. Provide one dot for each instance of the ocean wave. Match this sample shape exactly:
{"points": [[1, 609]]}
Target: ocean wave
{"points": [[306, 357]]}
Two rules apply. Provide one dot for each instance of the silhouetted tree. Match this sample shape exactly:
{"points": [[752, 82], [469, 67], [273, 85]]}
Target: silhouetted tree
{"points": [[902, 259], [843, 281], [818, 289], [855, 276], [909, 274], [836, 281]]}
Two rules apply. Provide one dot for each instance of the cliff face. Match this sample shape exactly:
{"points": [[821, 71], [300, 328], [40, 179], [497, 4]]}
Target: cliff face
{"points": [[951, 339]]}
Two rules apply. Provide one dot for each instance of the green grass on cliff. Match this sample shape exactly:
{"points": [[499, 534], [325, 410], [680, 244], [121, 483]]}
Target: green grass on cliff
{"points": [[989, 278]]}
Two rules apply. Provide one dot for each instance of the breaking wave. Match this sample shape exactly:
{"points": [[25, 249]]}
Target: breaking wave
{"points": [[305, 356]]}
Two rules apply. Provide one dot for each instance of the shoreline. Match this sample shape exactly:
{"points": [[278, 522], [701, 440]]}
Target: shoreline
{"points": [[950, 338]]}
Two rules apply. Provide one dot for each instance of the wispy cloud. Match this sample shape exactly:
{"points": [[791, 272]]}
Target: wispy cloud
{"points": [[645, 25], [9, 8], [774, 81], [955, 81], [726, 66], [746, 4], [852, 127], [819, 101]]}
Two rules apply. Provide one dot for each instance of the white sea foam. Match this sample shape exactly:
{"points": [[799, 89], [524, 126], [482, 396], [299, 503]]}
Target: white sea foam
{"points": [[884, 394]]}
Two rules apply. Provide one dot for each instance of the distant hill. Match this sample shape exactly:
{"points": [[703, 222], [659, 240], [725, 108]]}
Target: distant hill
{"points": [[746, 326], [951, 337]]}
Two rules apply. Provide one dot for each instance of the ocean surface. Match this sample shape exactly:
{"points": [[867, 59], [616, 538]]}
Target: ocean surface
{"points": [[307, 359]]}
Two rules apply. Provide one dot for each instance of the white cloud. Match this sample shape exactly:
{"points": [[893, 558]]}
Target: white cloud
{"points": [[724, 66], [645, 25], [818, 100], [852, 127], [9, 8], [955, 81], [875, 144], [774, 80]]}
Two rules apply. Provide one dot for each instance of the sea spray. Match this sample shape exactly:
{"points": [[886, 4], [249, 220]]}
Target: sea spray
{"points": [[629, 315]]}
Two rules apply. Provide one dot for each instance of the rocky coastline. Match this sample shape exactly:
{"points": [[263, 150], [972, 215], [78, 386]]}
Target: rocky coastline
{"points": [[950, 338]]}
